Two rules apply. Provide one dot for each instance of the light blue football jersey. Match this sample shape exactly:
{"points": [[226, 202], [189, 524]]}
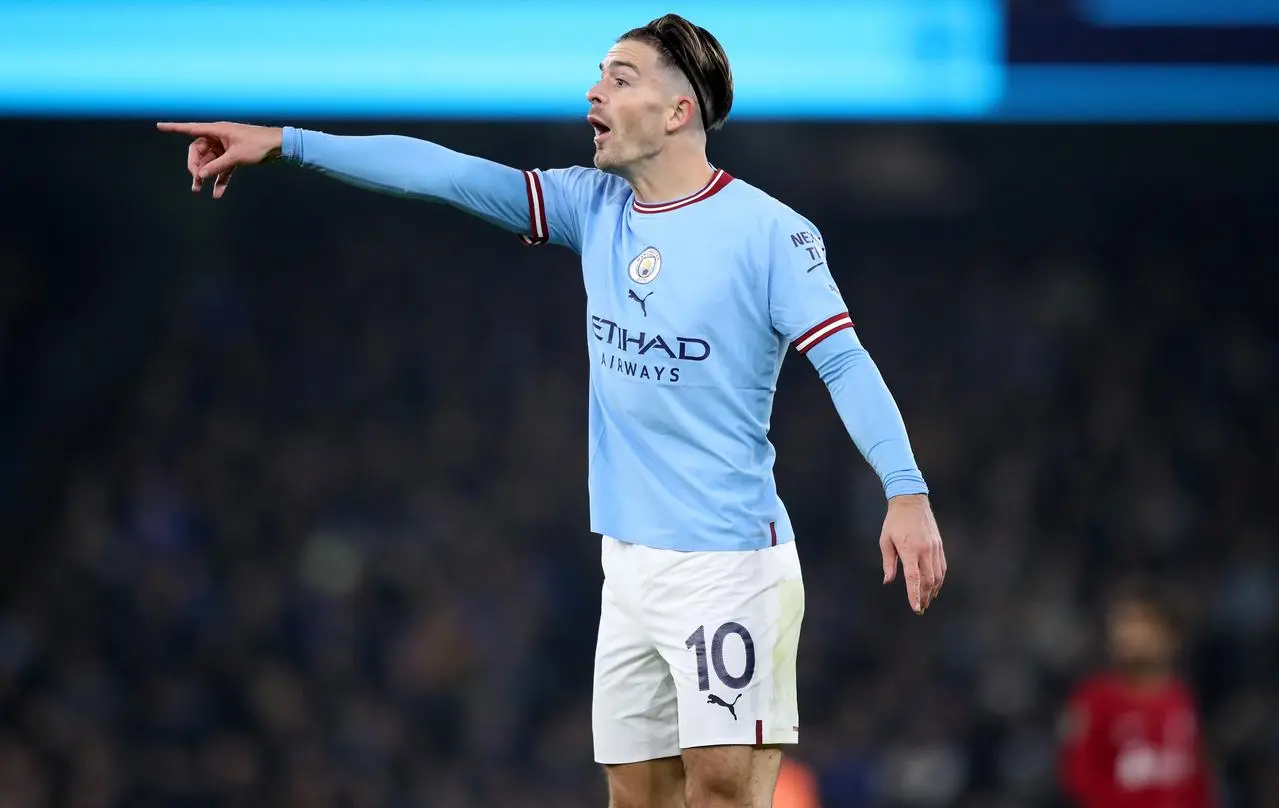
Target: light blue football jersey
{"points": [[690, 309]]}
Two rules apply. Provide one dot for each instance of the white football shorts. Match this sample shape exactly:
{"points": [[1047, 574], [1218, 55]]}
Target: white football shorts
{"points": [[695, 649]]}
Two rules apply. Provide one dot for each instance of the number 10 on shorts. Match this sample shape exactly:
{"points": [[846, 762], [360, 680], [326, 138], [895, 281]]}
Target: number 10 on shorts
{"points": [[697, 641]]}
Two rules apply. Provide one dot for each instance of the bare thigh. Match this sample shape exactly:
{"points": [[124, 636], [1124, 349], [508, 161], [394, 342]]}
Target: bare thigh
{"points": [[731, 776], [706, 777], [650, 784]]}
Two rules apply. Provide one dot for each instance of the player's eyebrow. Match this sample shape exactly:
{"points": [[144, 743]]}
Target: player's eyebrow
{"points": [[620, 63]]}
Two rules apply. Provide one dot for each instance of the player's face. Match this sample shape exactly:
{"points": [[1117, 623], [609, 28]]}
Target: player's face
{"points": [[631, 106], [1138, 638]]}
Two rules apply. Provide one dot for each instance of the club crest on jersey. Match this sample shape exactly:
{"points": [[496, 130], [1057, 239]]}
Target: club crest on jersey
{"points": [[645, 266]]}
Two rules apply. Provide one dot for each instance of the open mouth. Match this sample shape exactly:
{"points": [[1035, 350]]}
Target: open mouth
{"points": [[601, 130]]}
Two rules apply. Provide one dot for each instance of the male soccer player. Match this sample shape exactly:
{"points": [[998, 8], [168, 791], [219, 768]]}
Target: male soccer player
{"points": [[696, 284], [1131, 734]]}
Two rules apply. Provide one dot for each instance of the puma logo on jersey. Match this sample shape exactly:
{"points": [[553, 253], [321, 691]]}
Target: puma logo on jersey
{"points": [[643, 301], [732, 708]]}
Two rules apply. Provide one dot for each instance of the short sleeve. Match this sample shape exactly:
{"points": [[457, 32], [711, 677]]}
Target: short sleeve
{"points": [[804, 303], [559, 202]]}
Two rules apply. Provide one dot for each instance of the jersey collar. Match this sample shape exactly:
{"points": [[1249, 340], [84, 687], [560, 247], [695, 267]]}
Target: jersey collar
{"points": [[716, 184]]}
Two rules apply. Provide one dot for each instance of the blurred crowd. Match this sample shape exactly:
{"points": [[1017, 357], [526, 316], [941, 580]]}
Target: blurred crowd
{"points": [[330, 547]]}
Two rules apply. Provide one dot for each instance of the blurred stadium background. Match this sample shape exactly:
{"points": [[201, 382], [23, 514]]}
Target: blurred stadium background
{"points": [[292, 485]]}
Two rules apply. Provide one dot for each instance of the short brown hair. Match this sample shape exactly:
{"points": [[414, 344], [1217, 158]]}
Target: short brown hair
{"points": [[697, 54]]}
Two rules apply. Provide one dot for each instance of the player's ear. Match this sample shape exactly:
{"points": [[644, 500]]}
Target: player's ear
{"points": [[682, 113]]}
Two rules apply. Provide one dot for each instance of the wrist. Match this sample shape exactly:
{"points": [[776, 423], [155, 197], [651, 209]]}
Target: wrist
{"points": [[275, 143], [908, 501]]}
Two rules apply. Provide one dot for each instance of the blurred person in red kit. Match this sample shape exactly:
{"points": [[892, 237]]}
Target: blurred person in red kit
{"points": [[1131, 734]]}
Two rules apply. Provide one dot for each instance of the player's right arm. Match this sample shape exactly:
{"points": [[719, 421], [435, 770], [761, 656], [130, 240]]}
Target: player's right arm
{"points": [[540, 206]]}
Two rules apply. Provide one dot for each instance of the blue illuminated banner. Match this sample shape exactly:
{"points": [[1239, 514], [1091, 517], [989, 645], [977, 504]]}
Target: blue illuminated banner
{"points": [[286, 60], [1181, 12], [489, 58], [1141, 93]]}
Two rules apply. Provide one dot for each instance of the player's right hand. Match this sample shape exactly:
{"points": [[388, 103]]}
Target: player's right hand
{"points": [[219, 147]]}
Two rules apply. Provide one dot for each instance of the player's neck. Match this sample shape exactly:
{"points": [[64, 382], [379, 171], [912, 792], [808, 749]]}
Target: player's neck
{"points": [[1144, 680], [670, 175]]}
